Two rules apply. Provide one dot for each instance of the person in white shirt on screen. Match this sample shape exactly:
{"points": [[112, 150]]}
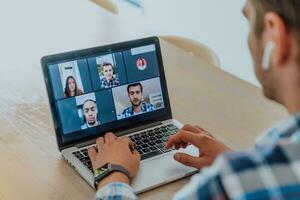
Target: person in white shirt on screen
{"points": [[90, 113]]}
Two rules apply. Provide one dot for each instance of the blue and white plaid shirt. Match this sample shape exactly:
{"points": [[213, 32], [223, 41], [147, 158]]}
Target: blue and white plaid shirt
{"points": [[271, 170], [108, 84], [128, 112]]}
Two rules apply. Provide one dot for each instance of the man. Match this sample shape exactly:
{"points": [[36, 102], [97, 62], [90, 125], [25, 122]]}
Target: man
{"points": [[90, 113], [271, 170], [109, 78], [138, 106]]}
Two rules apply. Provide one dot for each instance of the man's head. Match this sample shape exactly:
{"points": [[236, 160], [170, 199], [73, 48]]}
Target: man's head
{"points": [[90, 112], [135, 94], [274, 42], [107, 70]]}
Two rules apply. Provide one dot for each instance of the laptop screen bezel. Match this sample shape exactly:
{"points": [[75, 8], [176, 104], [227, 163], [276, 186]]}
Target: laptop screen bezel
{"points": [[119, 125]]}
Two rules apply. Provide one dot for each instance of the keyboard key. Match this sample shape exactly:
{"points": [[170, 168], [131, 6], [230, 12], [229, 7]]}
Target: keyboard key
{"points": [[158, 141], [151, 143], [84, 150], [87, 164], [144, 136], [145, 140], [138, 148], [151, 154], [140, 151], [84, 159], [138, 142], [146, 150], [79, 156], [153, 148], [138, 138], [145, 145], [159, 136], [152, 138]]}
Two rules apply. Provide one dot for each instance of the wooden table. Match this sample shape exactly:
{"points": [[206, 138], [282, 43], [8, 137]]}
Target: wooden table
{"points": [[32, 168]]}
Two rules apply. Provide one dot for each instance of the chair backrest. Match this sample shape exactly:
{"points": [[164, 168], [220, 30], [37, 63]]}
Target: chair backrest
{"points": [[195, 48], [108, 5]]}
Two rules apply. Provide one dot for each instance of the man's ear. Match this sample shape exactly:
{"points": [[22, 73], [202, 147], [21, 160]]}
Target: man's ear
{"points": [[276, 31]]}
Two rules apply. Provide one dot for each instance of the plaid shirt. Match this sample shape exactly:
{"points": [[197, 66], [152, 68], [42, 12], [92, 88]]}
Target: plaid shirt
{"points": [[108, 84], [128, 112], [271, 170]]}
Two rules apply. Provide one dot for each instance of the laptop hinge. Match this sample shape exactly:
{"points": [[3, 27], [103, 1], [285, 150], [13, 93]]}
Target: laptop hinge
{"points": [[138, 128], [87, 143], [121, 133]]}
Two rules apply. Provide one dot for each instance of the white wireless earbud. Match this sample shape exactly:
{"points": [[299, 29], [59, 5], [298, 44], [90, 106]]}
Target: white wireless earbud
{"points": [[267, 56]]}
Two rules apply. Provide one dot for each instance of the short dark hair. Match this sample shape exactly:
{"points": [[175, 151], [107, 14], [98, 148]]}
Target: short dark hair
{"points": [[106, 64], [133, 85], [89, 100], [288, 10]]}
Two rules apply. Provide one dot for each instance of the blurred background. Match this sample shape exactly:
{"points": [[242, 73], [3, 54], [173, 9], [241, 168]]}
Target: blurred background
{"points": [[31, 29]]}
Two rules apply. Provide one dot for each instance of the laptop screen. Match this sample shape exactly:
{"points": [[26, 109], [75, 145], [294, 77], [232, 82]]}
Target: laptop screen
{"points": [[96, 93]]}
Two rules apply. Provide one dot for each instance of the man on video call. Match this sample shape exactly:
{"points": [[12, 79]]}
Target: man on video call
{"points": [[138, 106], [269, 170], [109, 78], [90, 113]]}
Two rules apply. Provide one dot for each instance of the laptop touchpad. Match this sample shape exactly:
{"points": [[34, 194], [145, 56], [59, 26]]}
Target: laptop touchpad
{"points": [[157, 171]]}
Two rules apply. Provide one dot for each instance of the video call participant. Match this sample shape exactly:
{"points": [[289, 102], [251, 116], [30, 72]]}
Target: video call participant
{"points": [[138, 106], [141, 63], [90, 113], [109, 78], [71, 87]]}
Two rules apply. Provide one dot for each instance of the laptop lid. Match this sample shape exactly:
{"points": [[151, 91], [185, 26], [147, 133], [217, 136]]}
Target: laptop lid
{"points": [[110, 88]]}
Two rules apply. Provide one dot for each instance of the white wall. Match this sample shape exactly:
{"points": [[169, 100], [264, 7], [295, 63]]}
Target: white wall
{"points": [[33, 28]]}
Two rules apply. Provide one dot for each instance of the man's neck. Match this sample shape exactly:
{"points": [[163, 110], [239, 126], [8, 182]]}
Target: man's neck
{"points": [[137, 109], [292, 101], [92, 125], [290, 91]]}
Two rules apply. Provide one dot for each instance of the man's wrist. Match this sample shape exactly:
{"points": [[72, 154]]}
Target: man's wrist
{"points": [[114, 177]]}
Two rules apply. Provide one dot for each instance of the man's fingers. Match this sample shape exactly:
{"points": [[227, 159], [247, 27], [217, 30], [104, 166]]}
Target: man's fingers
{"points": [[137, 154], [100, 142], [200, 128], [184, 137], [92, 153], [204, 131], [109, 137], [191, 128], [188, 160], [128, 142]]}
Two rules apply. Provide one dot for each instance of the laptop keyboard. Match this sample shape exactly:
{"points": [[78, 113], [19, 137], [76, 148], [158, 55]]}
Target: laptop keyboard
{"points": [[148, 143]]}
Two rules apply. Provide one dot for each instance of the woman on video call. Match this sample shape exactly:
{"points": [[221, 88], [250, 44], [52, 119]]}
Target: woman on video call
{"points": [[71, 87]]}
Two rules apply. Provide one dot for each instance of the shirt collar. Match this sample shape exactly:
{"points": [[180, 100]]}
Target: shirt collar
{"points": [[286, 130]]}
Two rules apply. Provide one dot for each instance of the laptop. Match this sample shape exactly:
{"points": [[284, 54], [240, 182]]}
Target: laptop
{"points": [[119, 88]]}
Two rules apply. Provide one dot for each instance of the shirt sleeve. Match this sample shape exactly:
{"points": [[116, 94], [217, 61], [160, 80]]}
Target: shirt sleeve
{"points": [[118, 190]]}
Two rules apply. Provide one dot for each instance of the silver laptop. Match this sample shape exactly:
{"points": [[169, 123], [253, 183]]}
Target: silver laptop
{"points": [[119, 88]]}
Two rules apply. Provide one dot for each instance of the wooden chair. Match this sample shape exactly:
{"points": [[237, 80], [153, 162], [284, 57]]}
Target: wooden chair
{"points": [[107, 5], [195, 48]]}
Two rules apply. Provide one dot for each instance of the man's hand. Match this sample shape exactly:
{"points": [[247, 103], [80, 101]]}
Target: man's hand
{"points": [[120, 151], [209, 147]]}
